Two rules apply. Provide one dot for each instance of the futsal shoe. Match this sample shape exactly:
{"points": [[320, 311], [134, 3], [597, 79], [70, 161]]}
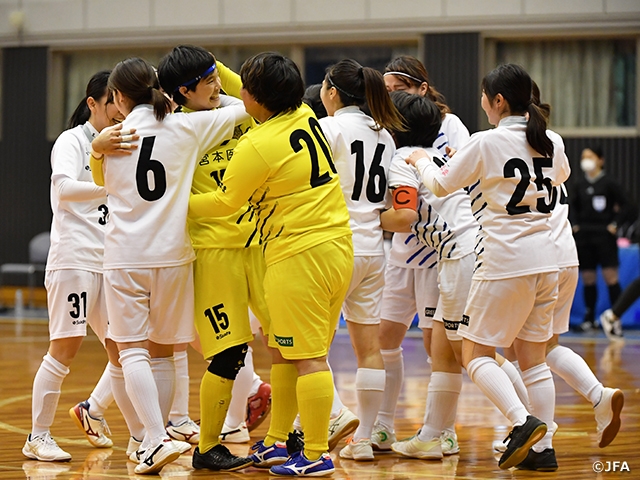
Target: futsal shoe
{"points": [[449, 443], [295, 442], [240, 434], [611, 325], [608, 415], [137, 455], [258, 406], [133, 446], [300, 466], [415, 448], [187, 431], [341, 426], [360, 450], [157, 456], [381, 438], [501, 446], [44, 448], [544, 461], [266, 456], [94, 428], [219, 459], [521, 439]]}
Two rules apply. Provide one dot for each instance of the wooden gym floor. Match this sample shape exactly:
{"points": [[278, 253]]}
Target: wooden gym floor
{"points": [[24, 342]]}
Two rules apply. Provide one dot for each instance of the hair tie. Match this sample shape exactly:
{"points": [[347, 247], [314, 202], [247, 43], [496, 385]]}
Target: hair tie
{"points": [[361, 72]]}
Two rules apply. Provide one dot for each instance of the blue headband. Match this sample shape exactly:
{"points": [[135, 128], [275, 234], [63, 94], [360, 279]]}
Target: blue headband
{"points": [[206, 73]]}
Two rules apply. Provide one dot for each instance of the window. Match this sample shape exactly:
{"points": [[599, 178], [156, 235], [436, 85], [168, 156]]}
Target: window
{"points": [[589, 83]]}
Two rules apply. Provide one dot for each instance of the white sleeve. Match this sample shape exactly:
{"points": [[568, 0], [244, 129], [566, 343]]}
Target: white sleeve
{"points": [[71, 190], [430, 173], [461, 170], [456, 131], [402, 174], [67, 156], [213, 127]]}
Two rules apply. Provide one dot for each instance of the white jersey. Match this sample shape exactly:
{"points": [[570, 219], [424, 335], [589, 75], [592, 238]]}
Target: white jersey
{"points": [[445, 224], [362, 157], [516, 185], [78, 205], [407, 251], [148, 191], [562, 234]]}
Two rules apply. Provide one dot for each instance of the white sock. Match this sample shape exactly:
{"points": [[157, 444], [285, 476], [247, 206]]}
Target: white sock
{"points": [[164, 374], [369, 392], [495, 384], [516, 380], [542, 395], [237, 412], [442, 404], [134, 424], [46, 393], [102, 396], [142, 390], [255, 383], [180, 407], [297, 424], [572, 368], [394, 377], [337, 404]]}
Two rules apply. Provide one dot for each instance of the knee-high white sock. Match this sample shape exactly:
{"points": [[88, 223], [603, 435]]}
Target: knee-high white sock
{"points": [[237, 412], [442, 404], [542, 395], [180, 407], [394, 377], [516, 380], [255, 383], [164, 374], [134, 424], [369, 391], [337, 404], [572, 368], [102, 396], [46, 393], [495, 384], [142, 390]]}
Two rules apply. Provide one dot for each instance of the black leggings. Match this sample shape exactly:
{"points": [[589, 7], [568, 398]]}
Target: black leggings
{"points": [[626, 298]]}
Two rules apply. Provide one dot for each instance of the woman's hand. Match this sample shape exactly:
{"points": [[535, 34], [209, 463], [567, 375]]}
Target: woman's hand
{"points": [[417, 155], [114, 140]]}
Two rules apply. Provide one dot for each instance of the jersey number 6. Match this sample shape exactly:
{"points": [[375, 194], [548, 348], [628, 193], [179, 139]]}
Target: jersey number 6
{"points": [[147, 164]]}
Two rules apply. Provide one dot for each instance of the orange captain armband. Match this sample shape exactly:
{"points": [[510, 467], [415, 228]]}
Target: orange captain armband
{"points": [[405, 197]]}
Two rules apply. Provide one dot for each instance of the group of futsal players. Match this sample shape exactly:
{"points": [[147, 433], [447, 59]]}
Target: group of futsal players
{"points": [[259, 204]]}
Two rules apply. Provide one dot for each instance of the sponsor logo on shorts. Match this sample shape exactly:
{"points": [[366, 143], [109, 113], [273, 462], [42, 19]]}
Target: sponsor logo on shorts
{"points": [[79, 322], [429, 312], [465, 320], [284, 341], [449, 325]]}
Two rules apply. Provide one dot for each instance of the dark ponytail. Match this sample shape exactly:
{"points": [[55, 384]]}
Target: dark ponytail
{"points": [[356, 85], [96, 89], [515, 85], [136, 79]]}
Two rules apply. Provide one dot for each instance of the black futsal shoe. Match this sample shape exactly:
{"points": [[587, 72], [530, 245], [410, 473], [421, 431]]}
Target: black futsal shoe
{"points": [[220, 459], [295, 442], [545, 461], [521, 439]]}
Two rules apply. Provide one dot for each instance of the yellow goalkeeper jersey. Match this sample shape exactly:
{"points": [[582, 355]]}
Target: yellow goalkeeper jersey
{"points": [[285, 168]]}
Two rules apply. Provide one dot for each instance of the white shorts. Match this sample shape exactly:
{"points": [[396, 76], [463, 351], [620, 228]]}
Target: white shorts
{"points": [[151, 304], [454, 282], [567, 283], [499, 311], [363, 302], [407, 291], [75, 298]]}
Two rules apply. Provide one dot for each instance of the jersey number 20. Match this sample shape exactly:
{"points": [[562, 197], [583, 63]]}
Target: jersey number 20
{"points": [[301, 135], [147, 164]]}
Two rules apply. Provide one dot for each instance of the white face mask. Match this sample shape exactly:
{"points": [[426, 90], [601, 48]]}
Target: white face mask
{"points": [[588, 165]]}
